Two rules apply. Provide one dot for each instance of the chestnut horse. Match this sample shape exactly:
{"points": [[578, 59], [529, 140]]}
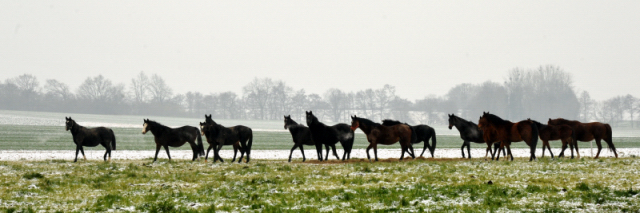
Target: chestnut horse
{"points": [[386, 135], [588, 131], [563, 133], [507, 132]]}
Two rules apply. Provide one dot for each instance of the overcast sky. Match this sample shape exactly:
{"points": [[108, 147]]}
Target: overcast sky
{"points": [[420, 47]]}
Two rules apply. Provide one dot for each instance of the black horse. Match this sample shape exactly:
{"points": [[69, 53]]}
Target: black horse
{"points": [[301, 136], [329, 136], [91, 137], [422, 132], [211, 134], [230, 135], [469, 132], [175, 137]]}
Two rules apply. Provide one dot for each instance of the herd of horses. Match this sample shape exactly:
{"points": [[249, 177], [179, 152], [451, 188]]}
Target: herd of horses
{"points": [[491, 130]]}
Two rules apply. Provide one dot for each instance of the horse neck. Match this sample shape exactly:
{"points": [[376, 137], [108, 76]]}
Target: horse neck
{"points": [[366, 128], [76, 128], [157, 128]]}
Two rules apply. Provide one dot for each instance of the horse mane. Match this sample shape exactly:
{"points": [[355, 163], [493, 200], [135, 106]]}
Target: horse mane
{"points": [[156, 124], [368, 122], [538, 124], [494, 119], [389, 122], [465, 121]]}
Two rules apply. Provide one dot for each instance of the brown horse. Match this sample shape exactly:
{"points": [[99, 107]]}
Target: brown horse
{"points": [[563, 133], [588, 131], [386, 135], [507, 132]]}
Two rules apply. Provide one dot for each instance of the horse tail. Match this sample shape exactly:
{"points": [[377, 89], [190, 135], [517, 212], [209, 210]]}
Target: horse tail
{"points": [[200, 146], [248, 150], [609, 138], [433, 140], [113, 141]]}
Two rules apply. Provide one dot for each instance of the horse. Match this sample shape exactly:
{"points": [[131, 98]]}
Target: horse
{"points": [[238, 133], [329, 136], [301, 136], [211, 135], [91, 137], [588, 131], [507, 132], [423, 134], [563, 133], [175, 137], [386, 135], [469, 132]]}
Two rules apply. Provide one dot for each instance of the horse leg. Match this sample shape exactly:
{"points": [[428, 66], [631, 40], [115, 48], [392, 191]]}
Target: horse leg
{"points": [[326, 158], [82, 151], [498, 150], [571, 149], [157, 150], [462, 148], [302, 150], [217, 153], [544, 145], [426, 145], [509, 152], [333, 147], [564, 147], [206, 156], [413, 153], [575, 144], [77, 150], [235, 152], [368, 148], [599, 148], [319, 151], [375, 150], [166, 148], [105, 155], [548, 147], [291, 153]]}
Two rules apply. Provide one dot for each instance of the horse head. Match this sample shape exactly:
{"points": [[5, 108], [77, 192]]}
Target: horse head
{"points": [[69, 123], [145, 126], [288, 121], [355, 123], [452, 120], [310, 118]]}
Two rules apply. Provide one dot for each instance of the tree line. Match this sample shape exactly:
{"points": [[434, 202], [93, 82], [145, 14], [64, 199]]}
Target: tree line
{"points": [[540, 93]]}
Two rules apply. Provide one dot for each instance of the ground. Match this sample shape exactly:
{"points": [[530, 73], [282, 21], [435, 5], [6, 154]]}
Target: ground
{"points": [[275, 185]]}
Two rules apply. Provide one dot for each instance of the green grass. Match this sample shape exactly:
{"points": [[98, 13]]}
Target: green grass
{"points": [[17, 137], [442, 185]]}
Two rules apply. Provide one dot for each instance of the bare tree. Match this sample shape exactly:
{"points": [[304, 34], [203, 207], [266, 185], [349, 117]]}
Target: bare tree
{"points": [[587, 106], [384, 97], [629, 103], [58, 90], [257, 94], [160, 91], [26, 82], [96, 88], [139, 87], [336, 100]]}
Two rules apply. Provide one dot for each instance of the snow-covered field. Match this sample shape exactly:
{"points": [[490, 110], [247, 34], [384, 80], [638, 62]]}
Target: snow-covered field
{"points": [[14, 155]]}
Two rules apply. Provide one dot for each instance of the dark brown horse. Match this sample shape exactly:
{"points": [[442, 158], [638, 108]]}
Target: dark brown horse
{"points": [[386, 135], [91, 137], [166, 137], [209, 131], [588, 131], [548, 133], [507, 132]]}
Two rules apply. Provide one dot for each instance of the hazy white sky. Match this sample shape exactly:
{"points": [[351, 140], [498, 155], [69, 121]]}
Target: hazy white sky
{"points": [[421, 47]]}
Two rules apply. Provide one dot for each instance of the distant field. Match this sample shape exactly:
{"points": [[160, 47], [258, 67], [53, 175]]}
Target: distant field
{"points": [[19, 137]]}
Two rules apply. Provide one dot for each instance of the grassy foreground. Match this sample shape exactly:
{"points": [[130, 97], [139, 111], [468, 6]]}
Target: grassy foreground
{"points": [[357, 186]]}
